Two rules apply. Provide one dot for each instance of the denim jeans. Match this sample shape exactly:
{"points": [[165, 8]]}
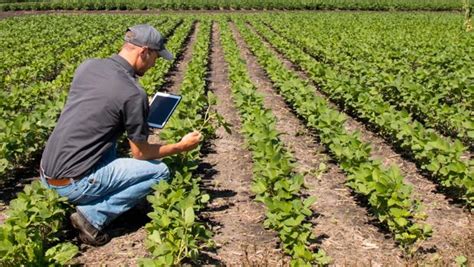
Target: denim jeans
{"points": [[112, 186]]}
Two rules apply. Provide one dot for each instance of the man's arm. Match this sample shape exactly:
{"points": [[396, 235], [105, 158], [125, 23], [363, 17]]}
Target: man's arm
{"points": [[147, 151]]}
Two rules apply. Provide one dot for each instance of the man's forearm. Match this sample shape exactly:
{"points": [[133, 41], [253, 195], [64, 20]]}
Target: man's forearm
{"points": [[147, 151]]}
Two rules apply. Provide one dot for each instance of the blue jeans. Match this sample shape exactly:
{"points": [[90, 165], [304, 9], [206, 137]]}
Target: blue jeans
{"points": [[112, 186]]}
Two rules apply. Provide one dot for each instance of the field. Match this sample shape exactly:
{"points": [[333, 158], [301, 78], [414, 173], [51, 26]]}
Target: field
{"points": [[437, 5], [331, 137]]}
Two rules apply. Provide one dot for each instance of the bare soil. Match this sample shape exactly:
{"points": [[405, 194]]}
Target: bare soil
{"points": [[343, 228], [453, 228], [176, 75], [237, 218]]}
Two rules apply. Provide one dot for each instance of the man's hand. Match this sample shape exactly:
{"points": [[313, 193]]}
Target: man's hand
{"points": [[146, 151], [190, 141]]}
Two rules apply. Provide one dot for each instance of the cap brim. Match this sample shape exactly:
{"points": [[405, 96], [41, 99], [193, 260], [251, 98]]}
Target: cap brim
{"points": [[166, 54]]}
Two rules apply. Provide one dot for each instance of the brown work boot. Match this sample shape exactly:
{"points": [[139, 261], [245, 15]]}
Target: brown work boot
{"points": [[88, 234]]}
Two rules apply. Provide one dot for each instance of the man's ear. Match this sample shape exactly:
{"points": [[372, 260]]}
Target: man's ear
{"points": [[143, 52], [147, 51]]}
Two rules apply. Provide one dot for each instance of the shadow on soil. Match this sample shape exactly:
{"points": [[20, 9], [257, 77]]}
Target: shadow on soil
{"points": [[16, 180], [207, 173]]}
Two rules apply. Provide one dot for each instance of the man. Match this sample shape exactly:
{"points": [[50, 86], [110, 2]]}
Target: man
{"points": [[105, 100]]}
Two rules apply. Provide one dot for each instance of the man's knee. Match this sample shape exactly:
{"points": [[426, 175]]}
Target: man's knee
{"points": [[162, 171]]}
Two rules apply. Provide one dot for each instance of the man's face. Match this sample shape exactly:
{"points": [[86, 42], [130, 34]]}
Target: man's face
{"points": [[147, 60]]}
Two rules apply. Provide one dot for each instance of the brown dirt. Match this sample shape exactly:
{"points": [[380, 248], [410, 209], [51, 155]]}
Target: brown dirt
{"points": [[176, 75], [453, 228], [128, 246], [239, 233], [343, 227]]}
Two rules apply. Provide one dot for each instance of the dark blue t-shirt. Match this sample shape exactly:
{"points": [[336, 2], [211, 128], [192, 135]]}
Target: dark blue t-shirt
{"points": [[104, 101]]}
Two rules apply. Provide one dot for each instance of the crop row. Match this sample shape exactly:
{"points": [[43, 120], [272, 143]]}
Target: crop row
{"points": [[49, 53], [235, 4], [433, 153], [389, 198], [25, 42], [155, 77], [29, 114], [422, 69], [17, 95], [274, 181], [34, 226], [31, 234], [174, 232]]}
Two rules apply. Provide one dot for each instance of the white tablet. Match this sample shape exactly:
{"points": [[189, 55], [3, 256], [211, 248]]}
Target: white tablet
{"points": [[161, 107]]}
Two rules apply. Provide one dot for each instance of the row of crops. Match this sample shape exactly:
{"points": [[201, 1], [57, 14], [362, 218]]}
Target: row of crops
{"points": [[32, 231], [232, 4], [361, 86], [408, 76]]}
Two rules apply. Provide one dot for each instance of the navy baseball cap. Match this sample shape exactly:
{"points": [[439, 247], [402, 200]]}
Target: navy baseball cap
{"points": [[147, 35]]}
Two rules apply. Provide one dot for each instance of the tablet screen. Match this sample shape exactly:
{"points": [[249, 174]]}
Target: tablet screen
{"points": [[161, 108]]}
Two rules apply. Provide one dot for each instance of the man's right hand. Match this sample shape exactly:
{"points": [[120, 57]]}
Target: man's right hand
{"points": [[147, 151], [190, 141]]}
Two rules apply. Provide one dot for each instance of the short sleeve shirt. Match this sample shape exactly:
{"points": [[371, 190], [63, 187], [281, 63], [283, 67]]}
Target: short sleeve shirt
{"points": [[104, 101]]}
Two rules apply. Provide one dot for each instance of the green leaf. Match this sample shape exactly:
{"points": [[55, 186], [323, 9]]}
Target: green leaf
{"points": [[398, 212], [309, 201], [205, 198], [189, 216], [61, 253], [401, 221], [461, 260]]}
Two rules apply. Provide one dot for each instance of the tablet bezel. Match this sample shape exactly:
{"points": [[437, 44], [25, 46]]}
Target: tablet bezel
{"points": [[153, 125]]}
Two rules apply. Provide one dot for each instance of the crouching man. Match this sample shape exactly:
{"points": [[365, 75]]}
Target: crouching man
{"points": [[104, 101]]}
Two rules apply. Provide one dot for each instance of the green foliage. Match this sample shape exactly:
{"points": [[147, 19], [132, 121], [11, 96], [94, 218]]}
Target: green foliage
{"points": [[274, 182], [30, 102], [234, 4], [461, 261], [175, 233], [387, 195], [346, 80], [30, 235], [431, 79]]}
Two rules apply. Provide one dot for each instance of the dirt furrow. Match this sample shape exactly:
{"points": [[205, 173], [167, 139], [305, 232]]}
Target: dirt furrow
{"points": [[452, 226], [176, 75], [128, 230], [343, 227], [239, 233]]}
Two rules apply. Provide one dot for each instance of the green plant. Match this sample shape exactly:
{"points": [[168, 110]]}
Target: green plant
{"points": [[30, 235], [434, 153], [389, 198], [274, 183], [461, 261], [175, 233]]}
